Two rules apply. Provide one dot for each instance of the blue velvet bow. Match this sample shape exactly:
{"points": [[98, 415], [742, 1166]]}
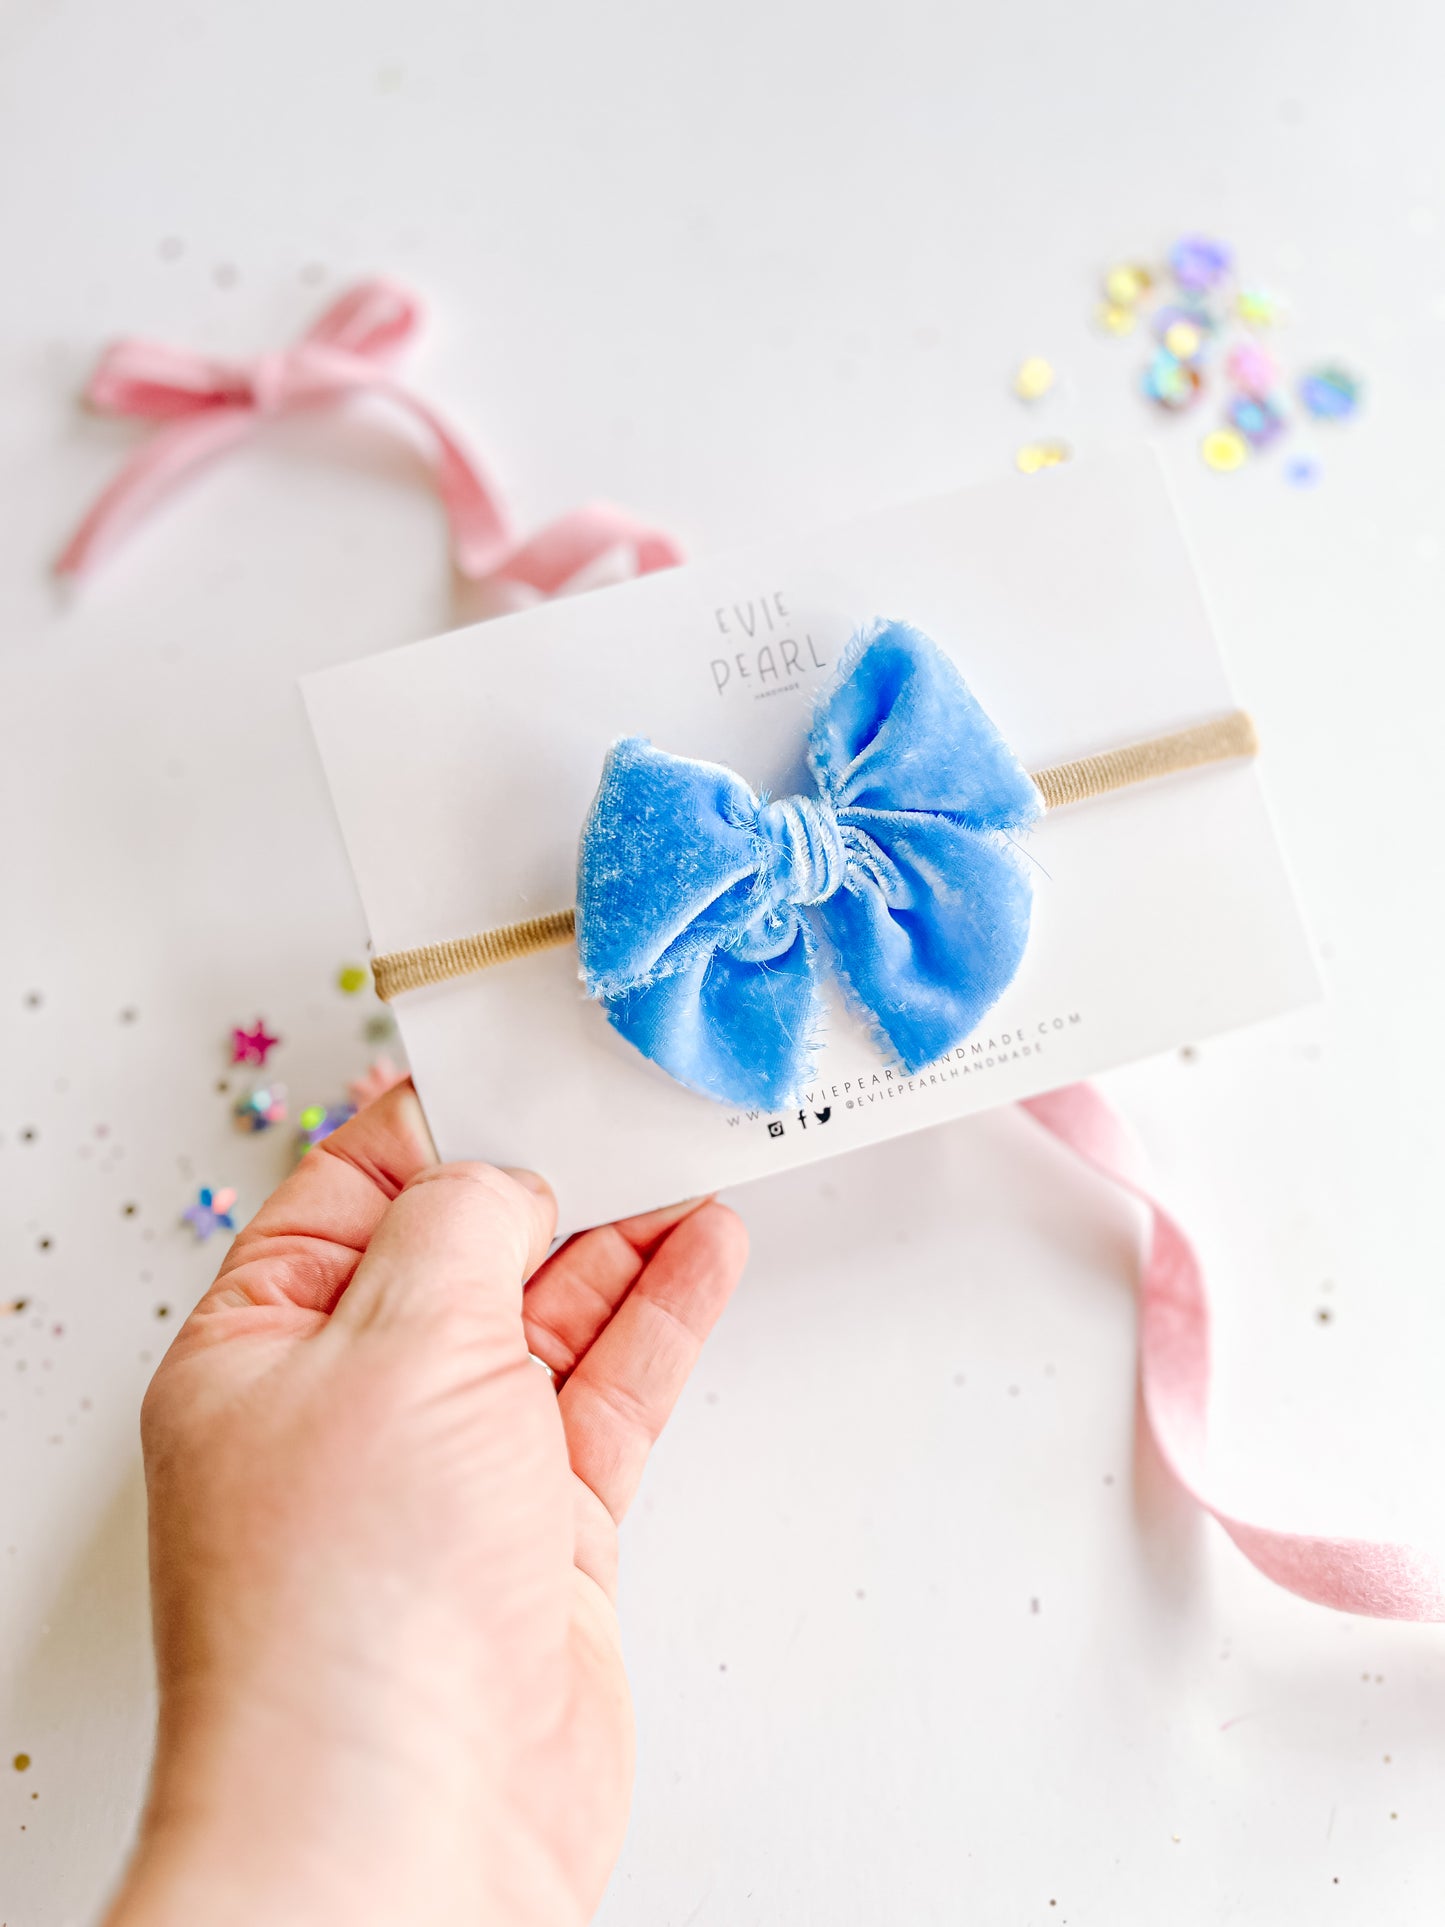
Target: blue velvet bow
{"points": [[702, 909]]}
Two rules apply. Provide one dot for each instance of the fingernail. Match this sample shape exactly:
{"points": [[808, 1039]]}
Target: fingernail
{"points": [[529, 1180]]}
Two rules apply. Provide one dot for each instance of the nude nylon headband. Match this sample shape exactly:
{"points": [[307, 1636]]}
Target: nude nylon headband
{"points": [[1222, 740]]}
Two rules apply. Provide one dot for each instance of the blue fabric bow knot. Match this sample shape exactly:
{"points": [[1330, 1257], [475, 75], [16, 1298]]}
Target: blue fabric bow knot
{"points": [[703, 910]]}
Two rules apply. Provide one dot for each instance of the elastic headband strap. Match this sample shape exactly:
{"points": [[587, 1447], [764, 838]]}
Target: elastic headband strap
{"points": [[1220, 741]]}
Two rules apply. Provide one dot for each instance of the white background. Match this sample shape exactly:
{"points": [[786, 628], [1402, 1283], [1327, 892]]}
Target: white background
{"points": [[745, 269]]}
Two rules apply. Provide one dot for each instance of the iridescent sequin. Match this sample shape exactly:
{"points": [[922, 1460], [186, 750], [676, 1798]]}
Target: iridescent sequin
{"points": [[1034, 456], [1330, 394], [1223, 450]]}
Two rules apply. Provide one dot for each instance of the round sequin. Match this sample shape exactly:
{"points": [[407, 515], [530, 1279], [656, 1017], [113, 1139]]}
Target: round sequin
{"points": [[1223, 450], [1172, 384], [1127, 284], [1260, 422], [1258, 309], [1303, 471], [351, 978], [1199, 263], [1184, 339], [1114, 319], [1252, 368], [1330, 394], [1034, 379], [1034, 456], [1184, 331]]}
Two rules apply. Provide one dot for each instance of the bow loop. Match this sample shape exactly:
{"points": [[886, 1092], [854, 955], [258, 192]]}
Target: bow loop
{"points": [[703, 912], [154, 382], [375, 320]]}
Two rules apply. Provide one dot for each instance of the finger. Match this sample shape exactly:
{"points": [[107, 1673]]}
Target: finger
{"points": [[620, 1396], [458, 1243], [579, 1287], [303, 1245]]}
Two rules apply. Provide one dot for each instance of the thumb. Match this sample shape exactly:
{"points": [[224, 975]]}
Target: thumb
{"points": [[457, 1244]]}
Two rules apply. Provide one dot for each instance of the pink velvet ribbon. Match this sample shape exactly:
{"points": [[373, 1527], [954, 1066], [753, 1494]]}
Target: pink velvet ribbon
{"points": [[1371, 1577], [204, 407]]}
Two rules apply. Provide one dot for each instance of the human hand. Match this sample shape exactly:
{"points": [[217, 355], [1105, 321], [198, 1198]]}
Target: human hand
{"points": [[384, 1550]]}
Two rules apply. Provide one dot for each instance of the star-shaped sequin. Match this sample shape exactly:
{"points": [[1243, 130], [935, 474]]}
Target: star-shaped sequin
{"points": [[252, 1046], [211, 1212]]}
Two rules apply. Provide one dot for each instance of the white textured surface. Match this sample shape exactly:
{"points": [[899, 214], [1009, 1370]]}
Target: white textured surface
{"points": [[747, 271]]}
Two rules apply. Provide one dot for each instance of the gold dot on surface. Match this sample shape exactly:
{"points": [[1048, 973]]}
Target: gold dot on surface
{"points": [[1034, 378], [1223, 450], [22, 1761], [1036, 455], [1127, 284], [1115, 320], [1323, 1315]]}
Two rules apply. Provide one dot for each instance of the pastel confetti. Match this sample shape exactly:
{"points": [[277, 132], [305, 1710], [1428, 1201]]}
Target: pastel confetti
{"points": [[1034, 456], [1198, 263], [1224, 450], [1252, 368], [352, 978], [1171, 383], [1127, 284], [211, 1212], [252, 1046], [1034, 379], [1185, 332], [1260, 422], [1257, 309], [1330, 394], [1116, 320], [1184, 340], [1191, 304]]}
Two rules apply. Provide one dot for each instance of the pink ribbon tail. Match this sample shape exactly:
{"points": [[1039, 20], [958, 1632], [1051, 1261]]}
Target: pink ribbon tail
{"points": [[556, 555], [1371, 1577], [155, 468]]}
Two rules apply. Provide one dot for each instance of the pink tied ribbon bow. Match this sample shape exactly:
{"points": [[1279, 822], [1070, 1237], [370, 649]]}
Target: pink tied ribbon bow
{"points": [[206, 406]]}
